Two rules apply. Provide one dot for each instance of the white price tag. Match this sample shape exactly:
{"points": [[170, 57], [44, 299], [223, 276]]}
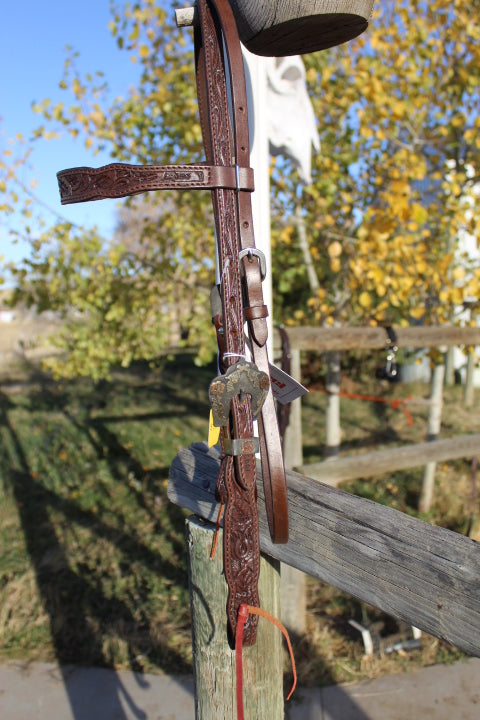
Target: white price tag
{"points": [[284, 387]]}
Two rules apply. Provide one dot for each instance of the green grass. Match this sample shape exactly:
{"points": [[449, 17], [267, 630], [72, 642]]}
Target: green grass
{"points": [[92, 554], [368, 426]]}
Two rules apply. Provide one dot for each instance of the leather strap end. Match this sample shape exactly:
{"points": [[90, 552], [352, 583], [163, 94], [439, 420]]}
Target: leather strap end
{"points": [[259, 330]]}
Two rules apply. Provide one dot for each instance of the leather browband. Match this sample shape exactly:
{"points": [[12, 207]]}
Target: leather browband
{"points": [[120, 180]]}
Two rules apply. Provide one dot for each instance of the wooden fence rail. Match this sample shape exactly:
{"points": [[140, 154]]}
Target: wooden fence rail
{"points": [[379, 462], [383, 461], [371, 338], [425, 575], [335, 339]]}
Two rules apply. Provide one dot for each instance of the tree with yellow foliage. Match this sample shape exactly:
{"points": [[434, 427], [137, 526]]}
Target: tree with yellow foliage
{"points": [[393, 188], [395, 185]]}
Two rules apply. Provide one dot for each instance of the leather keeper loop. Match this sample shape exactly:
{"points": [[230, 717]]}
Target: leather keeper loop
{"points": [[241, 446], [256, 312]]}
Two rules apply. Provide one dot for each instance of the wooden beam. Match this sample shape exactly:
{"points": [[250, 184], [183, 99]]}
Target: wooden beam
{"points": [[370, 338], [371, 464], [424, 575]]}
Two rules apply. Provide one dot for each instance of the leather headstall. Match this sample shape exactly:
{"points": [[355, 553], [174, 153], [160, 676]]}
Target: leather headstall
{"points": [[242, 392]]}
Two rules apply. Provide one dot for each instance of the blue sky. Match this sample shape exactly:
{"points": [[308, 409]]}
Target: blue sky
{"points": [[33, 37]]}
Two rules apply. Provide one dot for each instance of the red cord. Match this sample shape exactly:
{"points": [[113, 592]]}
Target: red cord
{"points": [[243, 613], [395, 403]]}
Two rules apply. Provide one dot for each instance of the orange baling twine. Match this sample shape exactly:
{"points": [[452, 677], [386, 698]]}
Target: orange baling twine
{"points": [[395, 403], [243, 614], [217, 531]]}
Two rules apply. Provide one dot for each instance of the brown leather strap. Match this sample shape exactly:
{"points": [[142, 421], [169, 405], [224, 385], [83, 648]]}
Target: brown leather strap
{"points": [[238, 477], [270, 444], [120, 180], [228, 175]]}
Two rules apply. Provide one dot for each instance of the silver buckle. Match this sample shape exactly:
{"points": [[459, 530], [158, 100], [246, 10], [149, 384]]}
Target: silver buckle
{"points": [[249, 253]]}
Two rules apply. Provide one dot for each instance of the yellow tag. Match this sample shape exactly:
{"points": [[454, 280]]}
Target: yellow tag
{"points": [[213, 432]]}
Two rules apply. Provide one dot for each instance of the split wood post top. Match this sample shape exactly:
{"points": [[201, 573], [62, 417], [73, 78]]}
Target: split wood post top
{"points": [[291, 27]]}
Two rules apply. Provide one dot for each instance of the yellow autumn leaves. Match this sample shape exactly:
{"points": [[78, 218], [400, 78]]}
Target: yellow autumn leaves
{"points": [[334, 253], [395, 196], [392, 195]]}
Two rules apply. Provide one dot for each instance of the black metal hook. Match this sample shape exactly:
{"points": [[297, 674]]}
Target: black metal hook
{"points": [[390, 370]]}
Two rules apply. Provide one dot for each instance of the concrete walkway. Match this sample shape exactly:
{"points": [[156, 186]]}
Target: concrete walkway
{"points": [[43, 691]]}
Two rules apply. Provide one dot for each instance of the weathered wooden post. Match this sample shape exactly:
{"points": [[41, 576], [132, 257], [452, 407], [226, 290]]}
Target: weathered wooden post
{"points": [[283, 27], [434, 422], [332, 413], [213, 659], [469, 387], [293, 582]]}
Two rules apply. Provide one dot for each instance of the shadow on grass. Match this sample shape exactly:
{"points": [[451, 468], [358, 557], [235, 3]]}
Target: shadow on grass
{"points": [[363, 431], [83, 616], [83, 613]]}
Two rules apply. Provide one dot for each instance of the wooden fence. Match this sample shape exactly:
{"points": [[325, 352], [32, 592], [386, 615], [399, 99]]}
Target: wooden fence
{"points": [[387, 461], [369, 338], [379, 462], [326, 339], [424, 575]]}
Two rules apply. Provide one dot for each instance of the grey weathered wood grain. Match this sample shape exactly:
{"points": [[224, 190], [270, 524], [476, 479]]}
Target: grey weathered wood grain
{"points": [[386, 461], [425, 575], [213, 660], [257, 16], [364, 338], [284, 27]]}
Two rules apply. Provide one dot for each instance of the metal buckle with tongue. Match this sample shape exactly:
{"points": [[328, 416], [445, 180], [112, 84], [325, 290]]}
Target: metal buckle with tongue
{"points": [[250, 252]]}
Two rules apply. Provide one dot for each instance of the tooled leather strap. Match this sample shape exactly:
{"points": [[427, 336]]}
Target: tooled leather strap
{"points": [[273, 471], [226, 156], [121, 180], [236, 484], [237, 247]]}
